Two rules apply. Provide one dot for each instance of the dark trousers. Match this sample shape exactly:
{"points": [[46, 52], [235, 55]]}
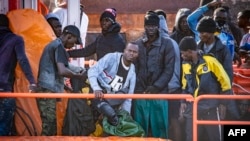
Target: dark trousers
{"points": [[7, 111], [205, 132]]}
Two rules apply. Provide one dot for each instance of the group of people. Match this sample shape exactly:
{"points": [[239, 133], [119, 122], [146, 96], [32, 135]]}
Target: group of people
{"points": [[196, 59]]}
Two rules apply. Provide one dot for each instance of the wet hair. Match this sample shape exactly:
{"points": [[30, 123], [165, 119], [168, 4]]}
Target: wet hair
{"points": [[4, 20]]}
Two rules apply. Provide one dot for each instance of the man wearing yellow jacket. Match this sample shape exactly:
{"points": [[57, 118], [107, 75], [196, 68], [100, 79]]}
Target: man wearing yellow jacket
{"points": [[203, 74]]}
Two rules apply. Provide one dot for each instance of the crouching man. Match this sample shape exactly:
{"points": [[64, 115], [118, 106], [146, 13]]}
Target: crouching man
{"points": [[112, 74]]}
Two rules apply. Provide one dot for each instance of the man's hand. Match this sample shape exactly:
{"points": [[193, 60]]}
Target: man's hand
{"points": [[98, 94], [214, 4], [32, 88]]}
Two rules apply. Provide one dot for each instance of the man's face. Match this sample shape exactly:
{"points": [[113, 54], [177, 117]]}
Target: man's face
{"points": [[105, 23], [220, 18], [183, 24], [56, 26], [131, 52], [186, 55], [71, 41], [151, 29], [206, 37]]}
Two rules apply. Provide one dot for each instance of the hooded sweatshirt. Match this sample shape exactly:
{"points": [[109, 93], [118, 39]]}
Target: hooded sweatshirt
{"points": [[178, 34], [107, 42]]}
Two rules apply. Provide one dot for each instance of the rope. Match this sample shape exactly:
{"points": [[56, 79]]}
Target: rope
{"points": [[31, 121], [243, 76], [238, 85]]}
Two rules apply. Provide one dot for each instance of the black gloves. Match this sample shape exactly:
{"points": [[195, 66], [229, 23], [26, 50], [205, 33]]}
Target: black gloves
{"points": [[151, 90]]}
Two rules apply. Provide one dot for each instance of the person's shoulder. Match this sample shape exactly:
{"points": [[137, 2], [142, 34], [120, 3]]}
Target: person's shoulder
{"points": [[210, 59], [114, 54], [167, 40], [15, 37], [53, 44]]}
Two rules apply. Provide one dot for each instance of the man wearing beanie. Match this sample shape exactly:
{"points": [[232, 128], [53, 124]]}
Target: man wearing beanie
{"points": [[208, 42], [109, 13], [109, 41], [207, 70], [155, 68]]}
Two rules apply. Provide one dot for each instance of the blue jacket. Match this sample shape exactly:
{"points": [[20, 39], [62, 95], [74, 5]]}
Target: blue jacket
{"points": [[102, 73]]}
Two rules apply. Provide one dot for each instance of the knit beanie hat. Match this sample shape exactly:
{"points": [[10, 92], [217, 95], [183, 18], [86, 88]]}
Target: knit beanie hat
{"points": [[109, 13], [151, 18], [206, 24], [187, 43]]}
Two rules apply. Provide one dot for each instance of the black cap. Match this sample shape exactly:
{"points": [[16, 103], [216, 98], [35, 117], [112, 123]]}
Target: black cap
{"points": [[72, 29]]}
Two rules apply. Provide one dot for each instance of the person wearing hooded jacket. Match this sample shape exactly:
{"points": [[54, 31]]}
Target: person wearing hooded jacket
{"points": [[109, 41], [181, 28]]}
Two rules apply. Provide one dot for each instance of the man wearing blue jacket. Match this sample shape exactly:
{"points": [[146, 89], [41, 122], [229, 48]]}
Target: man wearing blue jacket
{"points": [[114, 73]]}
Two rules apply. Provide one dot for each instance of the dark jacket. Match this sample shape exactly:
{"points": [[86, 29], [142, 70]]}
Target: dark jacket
{"points": [[222, 54], [107, 42], [12, 51], [178, 34], [236, 32], [155, 66]]}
